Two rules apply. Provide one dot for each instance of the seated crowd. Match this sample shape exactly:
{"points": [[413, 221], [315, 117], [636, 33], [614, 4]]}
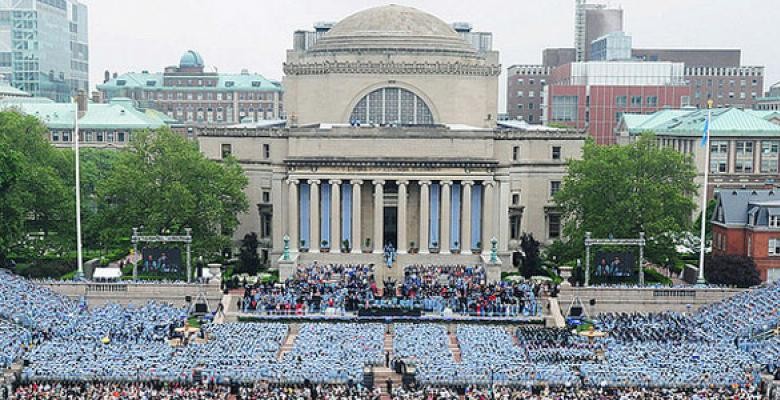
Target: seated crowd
{"points": [[72, 351], [461, 289]]}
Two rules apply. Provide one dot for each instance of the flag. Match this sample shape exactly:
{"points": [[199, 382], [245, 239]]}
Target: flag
{"points": [[706, 133]]}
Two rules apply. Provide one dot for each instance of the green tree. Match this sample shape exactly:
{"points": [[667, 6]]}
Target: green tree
{"points": [[731, 270], [163, 183], [248, 259], [33, 190], [531, 261], [624, 190]]}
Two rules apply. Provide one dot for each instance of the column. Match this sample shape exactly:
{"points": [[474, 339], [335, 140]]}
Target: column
{"points": [[465, 217], [278, 214], [402, 243], [357, 203], [425, 199], [488, 216], [379, 215], [314, 213], [503, 215], [446, 197], [335, 215], [292, 222]]}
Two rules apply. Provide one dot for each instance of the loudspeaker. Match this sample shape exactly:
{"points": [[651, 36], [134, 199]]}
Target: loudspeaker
{"points": [[201, 308], [575, 311], [592, 302], [188, 299]]}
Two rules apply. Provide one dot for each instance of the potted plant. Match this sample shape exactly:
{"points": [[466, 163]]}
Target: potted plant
{"points": [[324, 247], [412, 249], [345, 246], [456, 247], [478, 249], [303, 247], [434, 247], [367, 247]]}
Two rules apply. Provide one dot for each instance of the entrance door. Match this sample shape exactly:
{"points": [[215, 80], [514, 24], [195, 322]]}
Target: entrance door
{"points": [[391, 226]]}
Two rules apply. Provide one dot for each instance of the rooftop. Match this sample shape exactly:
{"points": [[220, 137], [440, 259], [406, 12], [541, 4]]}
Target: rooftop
{"points": [[690, 122], [120, 114], [155, 81]]}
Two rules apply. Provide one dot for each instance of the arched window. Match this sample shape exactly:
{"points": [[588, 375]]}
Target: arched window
{"points": [[392, 105]]}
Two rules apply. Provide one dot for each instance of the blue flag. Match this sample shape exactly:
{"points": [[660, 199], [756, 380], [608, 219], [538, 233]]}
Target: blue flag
{"points": [[706, 132]]}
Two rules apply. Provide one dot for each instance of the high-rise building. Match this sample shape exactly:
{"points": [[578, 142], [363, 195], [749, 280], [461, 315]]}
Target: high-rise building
{"points": [[615, 46], [592, 21], [44, 47]]}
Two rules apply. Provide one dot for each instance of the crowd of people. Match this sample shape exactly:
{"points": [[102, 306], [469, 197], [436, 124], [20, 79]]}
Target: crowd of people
{"points": [[72, 351]]}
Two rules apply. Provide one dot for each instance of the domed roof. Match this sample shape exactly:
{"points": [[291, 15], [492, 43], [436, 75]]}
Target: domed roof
{"points": [[191, 59], [392, 27]]}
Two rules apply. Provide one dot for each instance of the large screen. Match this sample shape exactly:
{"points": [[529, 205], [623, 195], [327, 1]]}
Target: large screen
{"points": [[613, 266], [161, 261]]}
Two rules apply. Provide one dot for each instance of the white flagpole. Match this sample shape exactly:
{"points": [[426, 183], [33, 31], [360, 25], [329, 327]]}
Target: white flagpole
{"points": [[79, 255], [705, 187]]}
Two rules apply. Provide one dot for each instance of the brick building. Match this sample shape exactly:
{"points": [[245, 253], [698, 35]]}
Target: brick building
{"points": [[595, 95], [192, 95], [746, 222], [525, 92]]}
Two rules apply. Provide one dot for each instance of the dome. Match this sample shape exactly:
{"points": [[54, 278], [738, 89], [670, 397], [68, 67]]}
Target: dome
{"points": [[393, 27], [191, 59]]}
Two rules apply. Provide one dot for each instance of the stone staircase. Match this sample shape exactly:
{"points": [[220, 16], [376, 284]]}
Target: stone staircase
{"points": [[454, 347], [381, 373], [287, 345]]}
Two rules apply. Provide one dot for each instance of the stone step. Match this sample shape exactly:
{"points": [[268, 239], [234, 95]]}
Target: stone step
{"points": [[454, 347], [287, 345]]}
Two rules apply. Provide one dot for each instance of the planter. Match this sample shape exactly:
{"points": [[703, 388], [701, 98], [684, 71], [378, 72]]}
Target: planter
{"points": [[303, 250], [476, 252], [455, 251], [324, 250], [367, 251], [434, 250]]}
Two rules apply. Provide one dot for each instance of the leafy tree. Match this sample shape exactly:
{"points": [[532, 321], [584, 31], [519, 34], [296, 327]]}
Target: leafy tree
{"points": [[248, 259], [34, 193], [163, 183], [624, 190], [731, 270], [531, 249]]}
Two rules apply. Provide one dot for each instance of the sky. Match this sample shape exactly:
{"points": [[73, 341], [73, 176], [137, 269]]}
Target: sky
{"points": [[231, 35]]}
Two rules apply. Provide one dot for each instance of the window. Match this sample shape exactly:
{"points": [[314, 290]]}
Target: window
{"points": [[652, 101], [520, 80], [227, 150], [514, 227], [531, 93], [774, 221], [515, 153], [556, 152], [719, 156], [55, 136], [266, 196], [530, 106], [392, 105], [266, 151], [519, 106], [120, 136], [530, 118], [515, 199], [555, 186], [564, 108], [553, 226], [774, 247], [744, 157], [770, 149], [636, 101], [520, 93], [621, 101]]}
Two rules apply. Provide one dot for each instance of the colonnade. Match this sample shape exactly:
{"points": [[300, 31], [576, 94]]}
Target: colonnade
{"points": [[453, 215]]}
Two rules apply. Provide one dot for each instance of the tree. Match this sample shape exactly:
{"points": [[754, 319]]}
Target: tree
{"points": [[248, 259], [34, 193], [163, 182], [731, 270], [531, 250], [624, 190]]}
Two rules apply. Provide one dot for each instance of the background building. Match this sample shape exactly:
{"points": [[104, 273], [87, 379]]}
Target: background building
{"points": [[715, 74], [192, 95], [744, 145], [525, 92], [102, 126], [392, 138], [771, 101], [592, 21], [594, 95], [746, 222], [44, 47]]}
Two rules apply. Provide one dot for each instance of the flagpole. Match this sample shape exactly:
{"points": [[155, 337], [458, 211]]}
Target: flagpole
{"points": [[702, 244], [79, 255]]}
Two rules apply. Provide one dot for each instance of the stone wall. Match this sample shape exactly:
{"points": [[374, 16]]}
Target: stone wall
{"points": [[642, 300], [97, 294]]}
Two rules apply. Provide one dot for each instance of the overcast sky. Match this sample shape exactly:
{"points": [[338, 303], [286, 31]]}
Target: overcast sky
{"points": [[135, 35]]}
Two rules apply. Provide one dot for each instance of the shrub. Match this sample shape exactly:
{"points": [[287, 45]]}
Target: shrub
{"points": [[731, 270]]}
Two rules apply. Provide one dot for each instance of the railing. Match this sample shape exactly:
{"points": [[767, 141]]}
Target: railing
{"points": [[106, 287], [673, 293]]}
